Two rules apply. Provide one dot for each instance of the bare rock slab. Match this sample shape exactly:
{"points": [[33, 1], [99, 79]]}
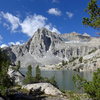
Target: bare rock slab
{"points": [[46, 87]]}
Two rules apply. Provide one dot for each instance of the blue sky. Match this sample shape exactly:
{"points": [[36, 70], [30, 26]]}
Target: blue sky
{"points": [[19, 19]]}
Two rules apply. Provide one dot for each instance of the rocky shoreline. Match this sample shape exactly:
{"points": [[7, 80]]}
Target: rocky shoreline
{"points": [[37, 91], [41, 91]]}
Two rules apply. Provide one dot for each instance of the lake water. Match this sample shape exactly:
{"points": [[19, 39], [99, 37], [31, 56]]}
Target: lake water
{"points": [[63, 77]]}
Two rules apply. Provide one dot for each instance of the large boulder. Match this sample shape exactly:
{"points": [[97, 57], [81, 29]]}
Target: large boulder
{"points": [[47, 88]]}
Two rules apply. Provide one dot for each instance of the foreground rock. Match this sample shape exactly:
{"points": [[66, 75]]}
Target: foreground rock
{"points": [[47, 88]]}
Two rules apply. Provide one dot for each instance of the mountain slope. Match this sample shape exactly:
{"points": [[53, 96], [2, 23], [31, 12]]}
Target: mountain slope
{"points": [[49, 48]]}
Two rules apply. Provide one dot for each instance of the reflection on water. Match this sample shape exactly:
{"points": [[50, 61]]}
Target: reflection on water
{"points": [[62, 77]]}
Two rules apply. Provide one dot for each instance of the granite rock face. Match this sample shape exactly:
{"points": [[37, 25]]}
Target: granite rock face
{"points": [[49, 48]]}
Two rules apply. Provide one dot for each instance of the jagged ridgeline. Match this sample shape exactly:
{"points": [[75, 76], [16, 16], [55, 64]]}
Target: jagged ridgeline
{"points": [[49, 48]]}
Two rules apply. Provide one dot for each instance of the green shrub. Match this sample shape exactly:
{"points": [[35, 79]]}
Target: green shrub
{"points": [[71, 95], [64, 63], [81, 59]]}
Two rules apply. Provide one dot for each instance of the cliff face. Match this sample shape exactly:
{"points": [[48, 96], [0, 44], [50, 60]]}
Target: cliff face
{"points": [[46, 48]]}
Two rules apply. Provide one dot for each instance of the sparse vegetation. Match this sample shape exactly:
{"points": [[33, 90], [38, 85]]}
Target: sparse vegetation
{"points": [[92, 88], [71, 95], [74, 64], [81, 59], [73, 59], [64, 63], [5, 80], [92, 51]]}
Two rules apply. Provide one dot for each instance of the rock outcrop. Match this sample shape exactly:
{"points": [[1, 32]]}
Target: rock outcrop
{"points": [[16, 75]]}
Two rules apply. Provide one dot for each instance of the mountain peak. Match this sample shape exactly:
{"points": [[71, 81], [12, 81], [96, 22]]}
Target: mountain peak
{"points": [[85, 34], [42, 31], [43, 28], [42, 41]]}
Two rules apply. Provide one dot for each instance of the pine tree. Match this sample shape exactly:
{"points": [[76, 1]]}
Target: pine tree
{"points": [[93, 10], [38, 73], [5, 80], [29, 77]]}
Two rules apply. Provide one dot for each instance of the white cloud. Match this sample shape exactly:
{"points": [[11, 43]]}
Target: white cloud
{"points": [[29, 25], [10, 43], [1, 39], [53, 29], [69, 14], [18, 43], [32, 23], [15, 43], [13, 20], [54, 11], [3, 45]]}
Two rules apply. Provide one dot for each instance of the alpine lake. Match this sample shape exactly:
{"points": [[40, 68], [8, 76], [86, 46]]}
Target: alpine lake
{"points": [[64, 78]]}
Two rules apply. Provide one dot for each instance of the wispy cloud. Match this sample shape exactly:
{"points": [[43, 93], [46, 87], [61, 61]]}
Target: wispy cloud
{"points": [[54, 11], [14, 21], [29, 25], [69, 14]]}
